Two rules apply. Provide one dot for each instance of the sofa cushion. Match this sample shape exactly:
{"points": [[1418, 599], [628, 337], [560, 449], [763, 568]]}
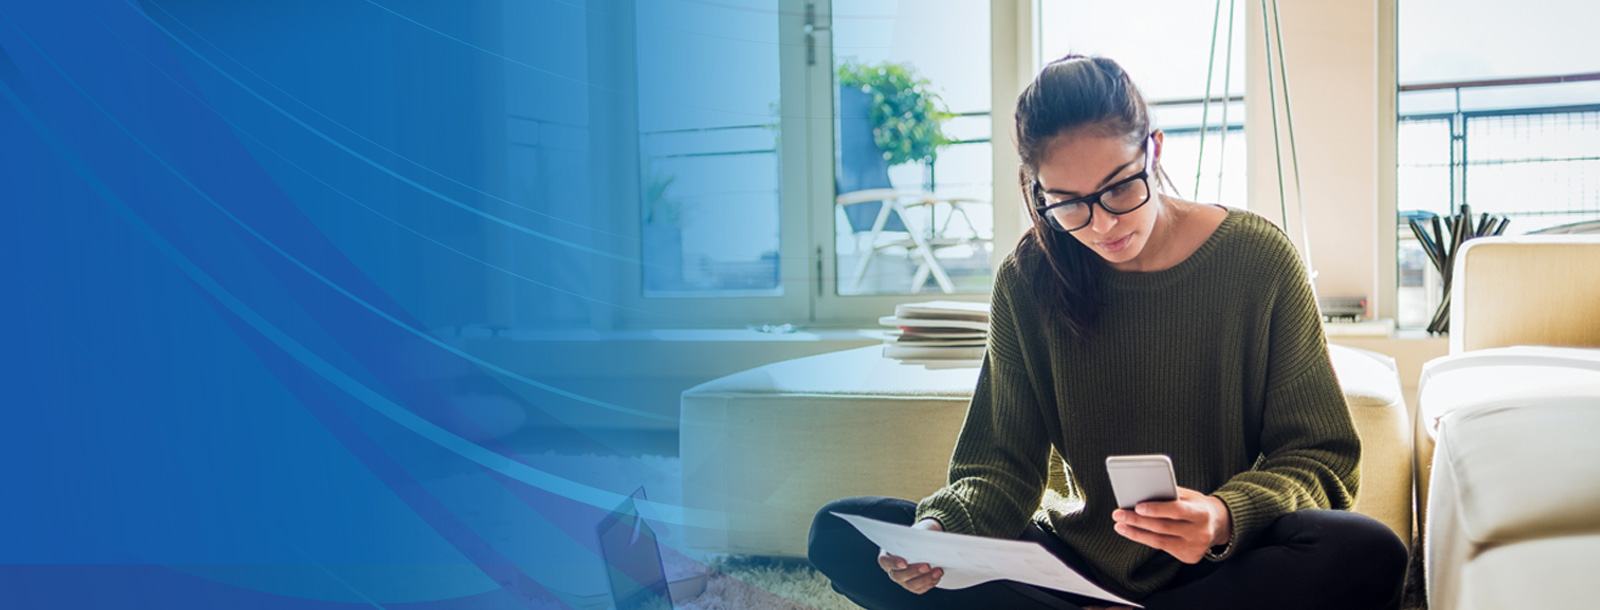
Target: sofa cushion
{"points": [[1371, 388], [1509, 376], [1521, 471], [1506, 474], [1549, 573], [1368, 378]]}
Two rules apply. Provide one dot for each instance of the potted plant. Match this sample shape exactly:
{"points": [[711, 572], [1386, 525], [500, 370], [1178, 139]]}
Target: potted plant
{"points": [[907, 116]]}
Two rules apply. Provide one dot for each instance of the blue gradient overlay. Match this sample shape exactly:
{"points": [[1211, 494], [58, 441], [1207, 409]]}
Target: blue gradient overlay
{"points": [[244, 241]]}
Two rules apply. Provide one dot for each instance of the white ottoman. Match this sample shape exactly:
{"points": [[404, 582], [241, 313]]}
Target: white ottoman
{"points": [[771, 445]]}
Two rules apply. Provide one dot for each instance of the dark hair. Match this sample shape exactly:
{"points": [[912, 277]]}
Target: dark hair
{"points": [[1072, 93]]}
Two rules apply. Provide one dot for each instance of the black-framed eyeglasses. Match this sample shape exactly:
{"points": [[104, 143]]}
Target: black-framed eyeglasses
{"points": [[1121, 197]]}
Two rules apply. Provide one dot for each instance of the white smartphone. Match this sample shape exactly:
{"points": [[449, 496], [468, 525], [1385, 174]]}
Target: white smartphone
{"points": [[1141, 478]]}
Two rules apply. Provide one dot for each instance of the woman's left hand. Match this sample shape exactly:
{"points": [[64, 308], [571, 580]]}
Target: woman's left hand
{"points": [[1185, 528]]}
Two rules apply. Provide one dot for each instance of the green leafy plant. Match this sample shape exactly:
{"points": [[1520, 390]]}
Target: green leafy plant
{"points": [[907, 116]]}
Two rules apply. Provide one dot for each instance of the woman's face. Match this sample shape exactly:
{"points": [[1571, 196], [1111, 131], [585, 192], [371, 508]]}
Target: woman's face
{"points": [[1080, 163]]}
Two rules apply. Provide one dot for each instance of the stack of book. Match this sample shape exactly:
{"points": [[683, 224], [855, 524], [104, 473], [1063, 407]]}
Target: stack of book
{"points": [[937, 333]]}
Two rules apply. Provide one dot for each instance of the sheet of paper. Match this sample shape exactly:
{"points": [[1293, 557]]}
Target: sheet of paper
{"points": [[971, 560]]}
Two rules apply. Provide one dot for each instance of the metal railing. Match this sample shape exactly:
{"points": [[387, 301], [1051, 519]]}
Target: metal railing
{"points": [[1535, 163], [1539, 165]]}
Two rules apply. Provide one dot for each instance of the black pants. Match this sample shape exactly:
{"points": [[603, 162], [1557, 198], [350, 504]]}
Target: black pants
{"points": [[1306, 560]]}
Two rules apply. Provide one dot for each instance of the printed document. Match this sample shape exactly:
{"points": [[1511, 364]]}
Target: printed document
{"points": [[971, 560]]}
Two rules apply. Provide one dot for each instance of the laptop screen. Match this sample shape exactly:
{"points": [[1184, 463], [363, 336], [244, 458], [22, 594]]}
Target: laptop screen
{"points": [[633, 559]]}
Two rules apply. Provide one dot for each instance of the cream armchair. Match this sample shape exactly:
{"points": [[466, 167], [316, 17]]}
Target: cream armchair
{"points": [[1508, 421]]}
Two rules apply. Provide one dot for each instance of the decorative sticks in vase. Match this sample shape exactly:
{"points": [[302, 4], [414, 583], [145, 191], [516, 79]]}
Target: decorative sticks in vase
{"points": [[1441, 250]]}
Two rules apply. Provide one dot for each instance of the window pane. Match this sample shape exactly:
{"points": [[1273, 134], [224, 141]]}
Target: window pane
{"points": [[1445, 40], [1221, 175], [937, 233], [1424, 157], [1527, 151], [548, 136], [708, 148], [1541, 170]]}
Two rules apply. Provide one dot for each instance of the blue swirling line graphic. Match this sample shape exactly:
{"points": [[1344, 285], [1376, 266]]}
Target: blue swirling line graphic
{"points": [[357, 134], [573, 490], [312, 272], [484, 557], [492, 53], [336, 190], [221, 490], [385, 169]]}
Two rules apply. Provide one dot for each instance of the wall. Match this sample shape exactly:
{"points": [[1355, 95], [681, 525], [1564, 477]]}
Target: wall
{"points": [[1340, 95]]}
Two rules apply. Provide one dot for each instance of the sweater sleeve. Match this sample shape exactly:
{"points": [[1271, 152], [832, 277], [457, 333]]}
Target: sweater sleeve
{"points": [[999, 467], [1310, 453]]}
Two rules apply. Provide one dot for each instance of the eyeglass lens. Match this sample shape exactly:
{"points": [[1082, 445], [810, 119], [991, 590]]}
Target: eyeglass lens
{"points": [[1122, 198]]}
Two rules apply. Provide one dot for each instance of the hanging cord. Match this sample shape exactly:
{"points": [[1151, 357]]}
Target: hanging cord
{"points": [[1272, 100], [1227, 87], [1205, 108], [1294, 150], [1277, 145]]}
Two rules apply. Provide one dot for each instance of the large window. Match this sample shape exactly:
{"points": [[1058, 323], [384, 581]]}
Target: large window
{"points": [[741, 138], [746, 135], [1502, 114], [753, 117]]}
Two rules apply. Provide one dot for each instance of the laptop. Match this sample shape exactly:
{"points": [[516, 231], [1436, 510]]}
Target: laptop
{"points": [[637, 577]]}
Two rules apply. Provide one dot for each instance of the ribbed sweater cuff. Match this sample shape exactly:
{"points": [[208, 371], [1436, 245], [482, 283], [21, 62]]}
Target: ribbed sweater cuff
{"points": [[1248, 516], [952, 515]]}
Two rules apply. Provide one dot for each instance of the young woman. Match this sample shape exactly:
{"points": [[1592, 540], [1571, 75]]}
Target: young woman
{"points": [[1130, 321]]}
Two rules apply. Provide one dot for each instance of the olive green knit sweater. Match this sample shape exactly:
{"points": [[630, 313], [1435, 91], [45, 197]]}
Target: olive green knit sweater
{"points": [[1218, 362]]}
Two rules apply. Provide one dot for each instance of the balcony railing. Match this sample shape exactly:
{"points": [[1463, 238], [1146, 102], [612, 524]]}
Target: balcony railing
{"points": [[1525, 148], [1537, 163]]}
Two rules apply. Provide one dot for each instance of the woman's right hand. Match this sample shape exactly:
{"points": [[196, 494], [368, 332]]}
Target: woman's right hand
{"points": [[917, 577]]}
